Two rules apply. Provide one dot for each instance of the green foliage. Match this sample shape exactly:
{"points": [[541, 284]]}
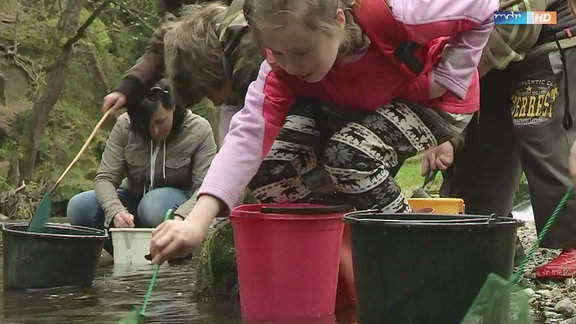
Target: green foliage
{"points": [[109, 47], [96, 36], [409, 177], [65, 134], [6, 149]]}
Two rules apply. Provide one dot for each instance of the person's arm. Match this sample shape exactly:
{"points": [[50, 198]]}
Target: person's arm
{"points": [[148, 70], [252, 132], [466, 23], [509, 43], [201, 160], [112, 170]]}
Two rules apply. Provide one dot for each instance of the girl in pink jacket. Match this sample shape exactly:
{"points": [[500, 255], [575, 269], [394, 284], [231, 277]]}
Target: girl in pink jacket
{"points": [[326, 97]]}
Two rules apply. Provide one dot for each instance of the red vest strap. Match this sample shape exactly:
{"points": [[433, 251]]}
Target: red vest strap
{"points": [[378, 23]]}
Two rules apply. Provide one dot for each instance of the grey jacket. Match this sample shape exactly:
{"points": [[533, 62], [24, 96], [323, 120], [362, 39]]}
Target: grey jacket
{"points": [[182, 163]]}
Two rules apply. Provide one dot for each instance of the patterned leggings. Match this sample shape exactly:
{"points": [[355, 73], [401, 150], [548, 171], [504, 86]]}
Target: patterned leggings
{"points": [[356, 152]]}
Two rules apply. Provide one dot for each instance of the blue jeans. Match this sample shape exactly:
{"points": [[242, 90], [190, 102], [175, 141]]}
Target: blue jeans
{"points": [[149, 210]]}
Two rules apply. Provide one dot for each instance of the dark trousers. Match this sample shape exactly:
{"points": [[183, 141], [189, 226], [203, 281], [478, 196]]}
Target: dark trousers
{"points": [[520, 128]]}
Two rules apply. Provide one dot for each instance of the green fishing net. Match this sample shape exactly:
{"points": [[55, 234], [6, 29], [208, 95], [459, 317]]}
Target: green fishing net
{"points": [[501, 301], [135, 317]]}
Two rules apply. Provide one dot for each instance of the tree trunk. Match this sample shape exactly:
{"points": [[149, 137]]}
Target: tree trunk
{"points": [[2, 91], [30, 142]]}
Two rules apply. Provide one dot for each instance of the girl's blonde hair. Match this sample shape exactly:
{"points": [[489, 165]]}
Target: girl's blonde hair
{"points": [[315, 14], [193, 54]]}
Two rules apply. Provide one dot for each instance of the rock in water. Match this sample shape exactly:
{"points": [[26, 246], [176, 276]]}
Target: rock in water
{"points": [[217, 276]]}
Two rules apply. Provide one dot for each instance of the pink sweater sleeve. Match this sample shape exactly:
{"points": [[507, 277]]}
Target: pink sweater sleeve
{"points": [[252, 132]]}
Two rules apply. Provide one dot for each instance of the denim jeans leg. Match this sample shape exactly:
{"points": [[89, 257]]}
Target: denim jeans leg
{"points": [[155, 203], [84, 210], [129, 199]]}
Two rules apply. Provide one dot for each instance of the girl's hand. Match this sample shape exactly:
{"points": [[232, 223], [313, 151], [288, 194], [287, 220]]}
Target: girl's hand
{"points": [[178, 238], [439, 157], [175, 239]]}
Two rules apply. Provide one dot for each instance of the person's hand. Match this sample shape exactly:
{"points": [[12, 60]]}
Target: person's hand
{"points": [[175, 239], [178, 238], [123, 219], [439, 157], [113, 101], [572, 162]]}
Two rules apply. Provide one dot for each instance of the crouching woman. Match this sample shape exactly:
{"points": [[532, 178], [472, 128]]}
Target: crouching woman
{"points": [[155, 158]]}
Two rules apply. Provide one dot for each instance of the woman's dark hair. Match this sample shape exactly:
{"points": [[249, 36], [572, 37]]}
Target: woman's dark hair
{"points": [[141, 113]]}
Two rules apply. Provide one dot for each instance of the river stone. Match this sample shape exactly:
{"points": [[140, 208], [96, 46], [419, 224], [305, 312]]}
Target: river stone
{"points": [[544, 293], [565, 307], [217, 276]]}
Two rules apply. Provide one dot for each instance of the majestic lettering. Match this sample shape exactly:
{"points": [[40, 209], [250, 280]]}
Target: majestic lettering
{"points": [[533, 100]]}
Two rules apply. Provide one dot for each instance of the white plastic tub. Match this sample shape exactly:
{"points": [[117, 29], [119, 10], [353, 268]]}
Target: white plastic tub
{"points": [[131, 245]]}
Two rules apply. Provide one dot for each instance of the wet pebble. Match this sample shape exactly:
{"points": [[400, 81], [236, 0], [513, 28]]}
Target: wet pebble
{"points": [[565, 307], [556, 293], [569, 321]]}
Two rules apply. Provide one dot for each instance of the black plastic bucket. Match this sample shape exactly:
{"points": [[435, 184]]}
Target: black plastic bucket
{"points": [[426, 268], [64, 255]]}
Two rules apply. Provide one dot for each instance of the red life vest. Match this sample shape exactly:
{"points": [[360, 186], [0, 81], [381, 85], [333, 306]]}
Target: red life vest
{"points": [[390, 58]]}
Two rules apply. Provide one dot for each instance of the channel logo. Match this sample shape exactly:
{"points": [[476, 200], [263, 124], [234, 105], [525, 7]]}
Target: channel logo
{"points": [[525, 17]]}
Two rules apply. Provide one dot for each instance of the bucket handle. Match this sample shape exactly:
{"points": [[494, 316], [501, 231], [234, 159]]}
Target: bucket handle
{"points": [[316, 210], [426, 221]]}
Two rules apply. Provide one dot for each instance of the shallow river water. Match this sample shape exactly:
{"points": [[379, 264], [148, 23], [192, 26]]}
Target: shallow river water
{"points": [[117, 290]]}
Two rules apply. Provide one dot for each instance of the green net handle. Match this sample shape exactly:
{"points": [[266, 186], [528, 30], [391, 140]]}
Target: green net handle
{"points": [[169, 215]]}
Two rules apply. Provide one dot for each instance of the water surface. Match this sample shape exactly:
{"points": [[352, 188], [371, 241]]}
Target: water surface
{"points": [[118, 289]]}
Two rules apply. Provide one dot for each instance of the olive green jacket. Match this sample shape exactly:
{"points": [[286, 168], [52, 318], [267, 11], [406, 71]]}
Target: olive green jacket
{"points": [[509, 43], [181, 162]]}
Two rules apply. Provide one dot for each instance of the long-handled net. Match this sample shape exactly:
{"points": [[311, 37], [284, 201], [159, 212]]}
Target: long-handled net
{"points": [[138, 315], [502, 301]]}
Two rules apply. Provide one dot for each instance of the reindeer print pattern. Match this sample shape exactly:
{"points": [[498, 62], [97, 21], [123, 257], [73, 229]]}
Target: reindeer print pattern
{"points": [[293, 154], [358, 156], [357, 153]]}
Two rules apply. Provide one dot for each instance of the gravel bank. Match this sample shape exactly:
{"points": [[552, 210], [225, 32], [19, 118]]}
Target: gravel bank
{"points": [[552, 301]]}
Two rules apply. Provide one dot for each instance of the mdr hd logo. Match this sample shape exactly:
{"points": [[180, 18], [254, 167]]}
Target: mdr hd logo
{"points": [[525, 17]]}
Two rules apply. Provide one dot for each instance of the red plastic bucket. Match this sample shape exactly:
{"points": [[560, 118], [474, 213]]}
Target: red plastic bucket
{"points": [[288, 257]]}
